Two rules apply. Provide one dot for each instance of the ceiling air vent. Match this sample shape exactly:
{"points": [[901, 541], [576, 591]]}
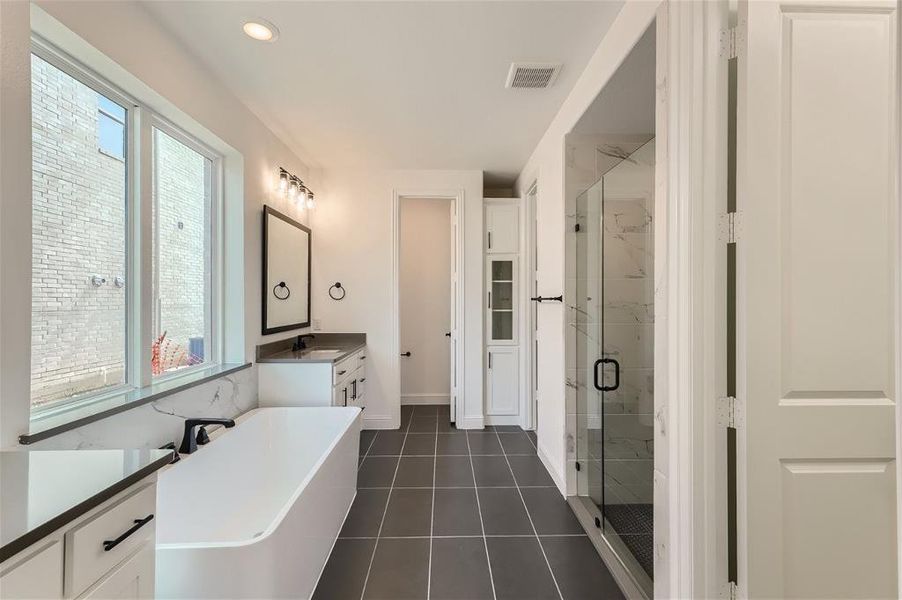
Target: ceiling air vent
{"points": [[532, 75]]}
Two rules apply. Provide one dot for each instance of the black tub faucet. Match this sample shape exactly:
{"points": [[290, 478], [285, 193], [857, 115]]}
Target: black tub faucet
{"points": [[299, 343], [189, 442]]}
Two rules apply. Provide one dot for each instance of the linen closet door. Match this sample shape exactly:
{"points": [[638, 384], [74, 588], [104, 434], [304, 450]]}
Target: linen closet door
{"points": [[818, 281]]}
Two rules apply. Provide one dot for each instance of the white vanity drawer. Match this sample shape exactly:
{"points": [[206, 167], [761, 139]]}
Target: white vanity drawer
{"points": [[132, 580], [38, 576], [361, 358], [343, 370], [361, 390], [99, 544]]}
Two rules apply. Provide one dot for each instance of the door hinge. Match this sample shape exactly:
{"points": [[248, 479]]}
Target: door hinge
{"points": [[730, 40], [728, 591], [730, 412], [730, 227]]}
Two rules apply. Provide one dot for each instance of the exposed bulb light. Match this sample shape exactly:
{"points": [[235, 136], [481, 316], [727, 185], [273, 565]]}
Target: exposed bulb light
{"points": [[293, 188], [261, 30], [283, 181]]}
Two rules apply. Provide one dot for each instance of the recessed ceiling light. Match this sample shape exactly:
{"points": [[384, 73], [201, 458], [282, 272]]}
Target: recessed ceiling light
{"points": [[261, 30]]}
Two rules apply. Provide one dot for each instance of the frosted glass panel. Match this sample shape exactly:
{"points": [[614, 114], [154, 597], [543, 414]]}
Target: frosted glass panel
{"points": [[502, 270], [502, 295], [502, 325]]}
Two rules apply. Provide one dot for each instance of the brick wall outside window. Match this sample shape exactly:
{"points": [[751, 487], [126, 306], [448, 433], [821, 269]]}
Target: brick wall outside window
{"points": [[78, 228]]}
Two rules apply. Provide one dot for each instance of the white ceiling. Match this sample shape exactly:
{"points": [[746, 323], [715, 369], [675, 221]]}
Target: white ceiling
{"points": [[407, 85]]}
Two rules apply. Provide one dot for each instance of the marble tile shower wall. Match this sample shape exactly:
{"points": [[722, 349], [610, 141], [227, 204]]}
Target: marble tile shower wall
{"points": [[162, 421], [613, 317], [628, 317]]}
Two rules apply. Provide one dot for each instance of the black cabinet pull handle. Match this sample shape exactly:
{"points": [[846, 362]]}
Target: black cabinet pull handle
{"points": [[139, 523], [345, 392], [407, 354], [362, 379], [354, 391], [596, 380], [340, 373]]}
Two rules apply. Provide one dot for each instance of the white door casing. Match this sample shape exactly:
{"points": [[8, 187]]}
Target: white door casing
{"points": [[818, 265], [452, 318]]}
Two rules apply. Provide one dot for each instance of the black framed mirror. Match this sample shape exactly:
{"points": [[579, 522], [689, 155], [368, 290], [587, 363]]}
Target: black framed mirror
{"points": [[286, 273]]}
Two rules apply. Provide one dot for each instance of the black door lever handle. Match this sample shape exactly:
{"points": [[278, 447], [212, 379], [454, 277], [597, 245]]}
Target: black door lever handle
{"points": [[448, 334], [407, 354], [548, 298]]}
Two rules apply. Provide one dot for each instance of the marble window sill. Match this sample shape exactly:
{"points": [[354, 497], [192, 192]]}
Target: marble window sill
{"points": [[45, 426]]}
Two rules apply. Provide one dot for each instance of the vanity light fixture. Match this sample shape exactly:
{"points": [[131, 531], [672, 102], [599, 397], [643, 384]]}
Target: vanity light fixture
{"points": [[261, 30], [292, 187], [283, 181]]}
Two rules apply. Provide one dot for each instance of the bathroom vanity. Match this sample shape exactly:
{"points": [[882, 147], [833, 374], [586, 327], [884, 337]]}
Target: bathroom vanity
{"points": [[329, 371], [78, 524]]}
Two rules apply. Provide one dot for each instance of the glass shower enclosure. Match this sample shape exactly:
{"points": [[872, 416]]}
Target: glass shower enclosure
{"points": [[612, 316]]}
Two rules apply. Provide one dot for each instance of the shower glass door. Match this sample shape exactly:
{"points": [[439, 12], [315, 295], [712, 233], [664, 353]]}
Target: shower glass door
{"points": [[614, 338]]}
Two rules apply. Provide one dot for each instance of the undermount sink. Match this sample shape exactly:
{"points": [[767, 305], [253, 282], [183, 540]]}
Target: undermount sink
{"points": [[321, 353]]}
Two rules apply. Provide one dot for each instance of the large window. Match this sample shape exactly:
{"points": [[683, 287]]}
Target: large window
{"points": [[79, 250], [108, 312], [183, 190]]}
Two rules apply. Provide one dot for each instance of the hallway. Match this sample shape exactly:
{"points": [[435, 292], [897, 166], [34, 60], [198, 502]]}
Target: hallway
{"points": [[433, 502]]}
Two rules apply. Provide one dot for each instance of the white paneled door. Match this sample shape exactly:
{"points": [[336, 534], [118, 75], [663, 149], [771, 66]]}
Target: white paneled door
{"points": [[817, 298]]}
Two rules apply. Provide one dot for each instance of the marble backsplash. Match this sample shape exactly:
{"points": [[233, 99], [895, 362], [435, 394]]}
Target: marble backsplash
{"points": [[162, 421]]}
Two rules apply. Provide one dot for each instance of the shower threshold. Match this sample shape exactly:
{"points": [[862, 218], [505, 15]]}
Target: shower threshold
{"points": [[629, 574]]}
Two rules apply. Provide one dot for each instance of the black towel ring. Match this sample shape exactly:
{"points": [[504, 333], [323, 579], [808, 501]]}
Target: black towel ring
{"points": [[334, 294], [279, 286]]}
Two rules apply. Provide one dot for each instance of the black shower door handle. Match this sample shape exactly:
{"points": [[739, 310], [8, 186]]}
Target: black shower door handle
{"points": [[596, 380]]}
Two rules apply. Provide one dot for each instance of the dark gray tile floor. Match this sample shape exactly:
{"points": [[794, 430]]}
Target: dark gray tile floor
{"points": [[447, 514]]}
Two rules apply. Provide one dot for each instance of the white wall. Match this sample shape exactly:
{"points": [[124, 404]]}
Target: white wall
{"points": [[353, 231], [546, 165], [425, 299], [15, 210], [154, 67]]}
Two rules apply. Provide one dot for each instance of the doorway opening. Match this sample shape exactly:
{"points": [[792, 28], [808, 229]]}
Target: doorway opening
{"points": [[610, 262], [427, 300]]}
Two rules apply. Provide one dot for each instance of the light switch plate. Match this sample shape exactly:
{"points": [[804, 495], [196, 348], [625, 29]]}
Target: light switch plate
{"points": [[317, 325]]}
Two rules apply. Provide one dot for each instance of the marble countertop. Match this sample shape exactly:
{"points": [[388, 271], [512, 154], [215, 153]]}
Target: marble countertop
{"points": [[43, 490], [345, 344]]}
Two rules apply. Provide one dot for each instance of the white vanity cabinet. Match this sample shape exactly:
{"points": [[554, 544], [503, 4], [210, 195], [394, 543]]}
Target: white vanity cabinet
{"points": [[308, 383], [503, 389], [503, 307], [107, 553], [503, 302], [502, 225], [35, 573]]}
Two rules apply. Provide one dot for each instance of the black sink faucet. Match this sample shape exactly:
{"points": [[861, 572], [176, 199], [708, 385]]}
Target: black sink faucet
{"points": [[299, 343], [189, 442]]}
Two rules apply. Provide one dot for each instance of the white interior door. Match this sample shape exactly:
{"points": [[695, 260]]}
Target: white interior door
{"points": [[817, 298]]}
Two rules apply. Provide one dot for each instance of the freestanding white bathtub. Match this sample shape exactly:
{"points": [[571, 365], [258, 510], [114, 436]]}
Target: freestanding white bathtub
{"points": [[254, 513]]}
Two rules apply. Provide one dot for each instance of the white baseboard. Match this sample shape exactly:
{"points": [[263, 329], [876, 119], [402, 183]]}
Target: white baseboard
{"points": [[470, 422], [425, 399], [557, 476], [380, 422], [502, 420]]}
